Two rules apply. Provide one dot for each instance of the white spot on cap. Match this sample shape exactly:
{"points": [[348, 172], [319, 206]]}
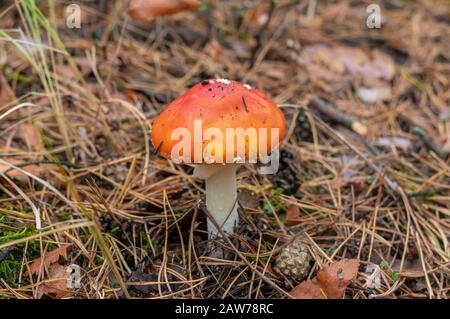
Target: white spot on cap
{"points": [[248, 87], [224, 81]]}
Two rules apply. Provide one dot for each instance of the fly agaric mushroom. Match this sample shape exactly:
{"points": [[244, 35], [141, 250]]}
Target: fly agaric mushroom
{"points": [[231, 123]]}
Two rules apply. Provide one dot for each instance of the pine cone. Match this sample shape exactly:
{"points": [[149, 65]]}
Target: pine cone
{"points": [[293, 261]]}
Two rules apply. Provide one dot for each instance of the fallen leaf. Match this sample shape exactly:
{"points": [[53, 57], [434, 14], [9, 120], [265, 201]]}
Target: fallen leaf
{"points": [[48, 258], [400, 142], [372, 95], [335, 278], [37, 170], [292, 215], [332, 281], [30, 134], [6, 93], [248, 199], [147, 10], [331, 63], [308, 289], [56, 284]]}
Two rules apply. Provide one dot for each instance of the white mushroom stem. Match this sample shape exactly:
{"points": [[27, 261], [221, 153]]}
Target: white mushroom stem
{"points": [[221, 195]]}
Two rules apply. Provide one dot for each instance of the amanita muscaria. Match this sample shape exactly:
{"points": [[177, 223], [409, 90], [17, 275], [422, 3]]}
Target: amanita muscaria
{"points": [[217, 125]]}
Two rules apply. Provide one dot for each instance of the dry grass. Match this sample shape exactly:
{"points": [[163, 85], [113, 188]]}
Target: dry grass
{"points": [[134, 221]]}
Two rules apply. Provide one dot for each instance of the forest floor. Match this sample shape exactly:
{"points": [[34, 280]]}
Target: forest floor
{"points": [[364, 171]]}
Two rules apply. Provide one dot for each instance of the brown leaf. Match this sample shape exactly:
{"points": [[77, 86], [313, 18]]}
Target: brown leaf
{"points": [[6, 93], [335, 278], [308, 289], [332, 281], [147, 10], [292, 215], [56, 284], [48, 258], [30, 134], [248, 199], [37, 170], [332, 63]]}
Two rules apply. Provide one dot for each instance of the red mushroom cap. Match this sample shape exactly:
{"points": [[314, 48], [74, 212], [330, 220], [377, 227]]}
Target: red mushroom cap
{"points": [[220, 104]]}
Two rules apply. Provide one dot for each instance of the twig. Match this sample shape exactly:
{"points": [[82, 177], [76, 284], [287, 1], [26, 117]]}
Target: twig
{"points": [[426, 192], [331, 111], [428, 143]]}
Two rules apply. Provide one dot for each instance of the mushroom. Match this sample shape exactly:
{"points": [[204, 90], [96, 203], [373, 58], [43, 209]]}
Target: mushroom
{"points": [[218, 125]]}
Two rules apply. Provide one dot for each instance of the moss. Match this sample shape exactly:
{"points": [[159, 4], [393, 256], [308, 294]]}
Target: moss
{"points": [[268, 205], [10, 232], [9, 271], [271, 205], [277, 191]]}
